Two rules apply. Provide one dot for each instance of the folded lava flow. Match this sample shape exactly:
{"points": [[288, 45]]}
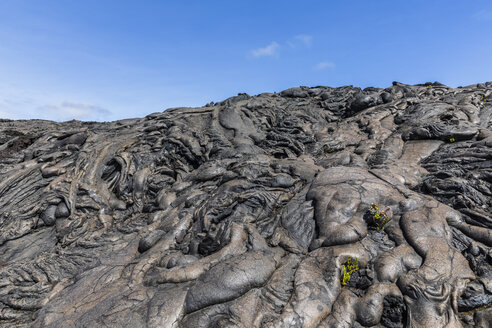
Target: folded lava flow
{"points": [[312, 207]]}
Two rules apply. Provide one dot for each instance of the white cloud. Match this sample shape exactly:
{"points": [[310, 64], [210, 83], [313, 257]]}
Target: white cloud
{"points": [[270, 50], [13, 109], [325, 65], [69, 111], [483, 15], [19, 103], [20, 106], [300, 40], [6, 115], [304, 39]]}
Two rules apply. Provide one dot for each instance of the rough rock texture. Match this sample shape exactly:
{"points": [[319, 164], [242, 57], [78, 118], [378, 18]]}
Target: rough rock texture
{"points": [[243, 213]]}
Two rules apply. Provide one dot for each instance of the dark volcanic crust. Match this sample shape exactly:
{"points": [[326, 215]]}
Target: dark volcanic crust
{"points": [[243, 213]]}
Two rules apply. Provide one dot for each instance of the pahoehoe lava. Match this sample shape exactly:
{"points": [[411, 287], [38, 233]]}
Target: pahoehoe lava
{"points": [[244, 213]]}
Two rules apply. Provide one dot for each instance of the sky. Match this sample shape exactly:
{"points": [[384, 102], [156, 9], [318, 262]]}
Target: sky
{"points": [[106, 60]]}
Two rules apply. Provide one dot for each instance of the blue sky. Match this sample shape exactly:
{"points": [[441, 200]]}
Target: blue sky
{"points": [[106, 60]]}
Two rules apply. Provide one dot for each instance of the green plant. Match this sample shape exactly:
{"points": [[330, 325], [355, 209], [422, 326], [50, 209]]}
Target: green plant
{"points": [[451, 140], [349, 268], [483, 100], [380, 217], [329, 150]]}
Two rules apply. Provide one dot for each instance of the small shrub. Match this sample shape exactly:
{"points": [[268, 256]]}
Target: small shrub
{"points": [[451, 140], [330, 150], [349, 268], [380, 217], [483, 100]]}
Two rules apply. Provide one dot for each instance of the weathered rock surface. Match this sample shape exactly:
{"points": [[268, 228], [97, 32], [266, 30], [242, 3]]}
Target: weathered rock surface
{"points": [[245, 212]]}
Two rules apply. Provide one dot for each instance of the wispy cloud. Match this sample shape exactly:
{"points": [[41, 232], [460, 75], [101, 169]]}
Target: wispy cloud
{"points": [[270, 50], [6, 115], [305, 40], [14, 106], [69, 110], [24, 105], [483, 15], [273, 49], [325, 65]]}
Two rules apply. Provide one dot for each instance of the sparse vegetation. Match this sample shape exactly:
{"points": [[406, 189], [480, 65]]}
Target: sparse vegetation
{"points": [[351, 266], [332, 149], [483, 101], [380, 217], [451, 140]]}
